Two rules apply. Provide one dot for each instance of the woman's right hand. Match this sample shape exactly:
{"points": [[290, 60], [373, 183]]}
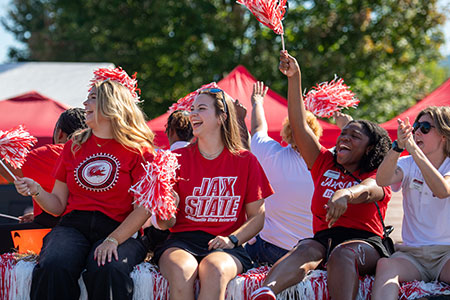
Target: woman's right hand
{"points": [[259, 92], [26, 186], [288, 64], [404, 133]]}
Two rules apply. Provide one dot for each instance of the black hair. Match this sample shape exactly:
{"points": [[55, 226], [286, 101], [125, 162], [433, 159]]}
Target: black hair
{"points": [[71, 120], [379, 140], [179, 122]]}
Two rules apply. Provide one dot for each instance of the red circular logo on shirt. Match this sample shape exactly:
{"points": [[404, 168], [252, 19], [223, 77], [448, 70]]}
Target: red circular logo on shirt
{"points": [[98, 172]]}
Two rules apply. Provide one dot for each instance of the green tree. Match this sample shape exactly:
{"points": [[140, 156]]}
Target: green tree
{"points": [[382, 48]]}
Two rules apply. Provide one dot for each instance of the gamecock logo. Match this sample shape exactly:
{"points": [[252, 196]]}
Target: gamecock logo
{"points": [[98, 172]]}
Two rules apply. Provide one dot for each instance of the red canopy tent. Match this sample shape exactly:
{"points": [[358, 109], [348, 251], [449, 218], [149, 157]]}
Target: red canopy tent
{"points": [[439, 97], [37, 112], [239, 85]]}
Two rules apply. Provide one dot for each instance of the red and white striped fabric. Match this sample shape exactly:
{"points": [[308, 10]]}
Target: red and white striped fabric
{"points": [[15, 144], [185, 103], [328, 97], [118, 75], [154, 190], [149, 284], [267, 12]]}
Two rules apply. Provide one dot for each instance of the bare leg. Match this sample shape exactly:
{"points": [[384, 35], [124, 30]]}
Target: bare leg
{"points": [[445, 273], [180, 269], [347, 261], [292, 267], [390, 271], [215, 272]]}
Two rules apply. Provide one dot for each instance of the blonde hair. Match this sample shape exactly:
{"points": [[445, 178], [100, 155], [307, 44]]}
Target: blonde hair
{"points": [[115, 103], [441, 118], [229, 128], [313, 123]]}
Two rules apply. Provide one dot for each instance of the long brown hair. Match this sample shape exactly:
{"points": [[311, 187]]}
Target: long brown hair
{"points": [[229, 128]]}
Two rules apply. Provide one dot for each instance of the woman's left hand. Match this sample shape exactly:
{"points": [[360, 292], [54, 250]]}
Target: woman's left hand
{"points": [[105, 251], [220, 242], [336, 206]]}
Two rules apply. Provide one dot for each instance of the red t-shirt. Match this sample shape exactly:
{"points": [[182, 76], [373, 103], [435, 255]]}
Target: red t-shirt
{"points": [[39, 166], [98, 178], [213, 193], [327, 180]]}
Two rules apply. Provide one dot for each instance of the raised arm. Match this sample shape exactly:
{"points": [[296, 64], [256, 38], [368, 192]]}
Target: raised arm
{"points": [[259, 123], [304, 137], [241, 113], [438, 184]]}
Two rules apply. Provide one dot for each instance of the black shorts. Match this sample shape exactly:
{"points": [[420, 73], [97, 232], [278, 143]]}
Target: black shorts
{"points": [[196, 243], [330, 238]]}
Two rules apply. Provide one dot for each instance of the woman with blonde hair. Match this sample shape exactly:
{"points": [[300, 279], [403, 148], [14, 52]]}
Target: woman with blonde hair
{"points": [[424, 177], [98, 227], [221, 190]]}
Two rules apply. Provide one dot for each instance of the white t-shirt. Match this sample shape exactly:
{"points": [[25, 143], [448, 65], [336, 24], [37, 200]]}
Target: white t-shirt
{"points": [[426, 219], [178, 145], [288, 211]]}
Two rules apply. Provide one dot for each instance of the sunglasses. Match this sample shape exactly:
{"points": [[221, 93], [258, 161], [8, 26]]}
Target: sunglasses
{"points": [[425, 127], [217, 91]]}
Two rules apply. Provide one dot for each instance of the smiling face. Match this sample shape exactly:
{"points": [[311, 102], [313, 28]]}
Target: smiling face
{"points": [[203, 116], [93, 117], [351, 146], [431, 141]]}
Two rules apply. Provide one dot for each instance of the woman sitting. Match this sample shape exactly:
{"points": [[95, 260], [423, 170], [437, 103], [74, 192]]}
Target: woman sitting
{"points": [[424, 177], [346, 226], [221, 190]]}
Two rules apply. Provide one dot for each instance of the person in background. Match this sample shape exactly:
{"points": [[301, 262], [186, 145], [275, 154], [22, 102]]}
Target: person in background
{"points": [[39, 166], [97, 230], [221, 190], [346, 226], [424, 177], [179, 129]]}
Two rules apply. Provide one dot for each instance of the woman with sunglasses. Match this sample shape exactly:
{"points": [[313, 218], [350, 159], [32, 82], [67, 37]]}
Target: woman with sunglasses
{"points": [[221, 190], [424, 177], [347, 229]]}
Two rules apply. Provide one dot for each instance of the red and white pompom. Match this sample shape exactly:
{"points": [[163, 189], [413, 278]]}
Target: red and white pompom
{"points": [[328, 97], [186, 102], [15, 144], [118, 75], [267, 12], [154, 190]]}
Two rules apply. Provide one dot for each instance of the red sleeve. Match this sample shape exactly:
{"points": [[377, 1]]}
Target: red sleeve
{"points": [[59, 171], [40, 163], [258, 186], [138, 171]]}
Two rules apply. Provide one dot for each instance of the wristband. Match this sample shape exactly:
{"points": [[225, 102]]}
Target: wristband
{"points": [[154, 221], [37, 191], [112, 240]]}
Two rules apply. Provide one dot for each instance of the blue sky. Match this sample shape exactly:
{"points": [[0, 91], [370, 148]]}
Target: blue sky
{"points": [[7, 40]]}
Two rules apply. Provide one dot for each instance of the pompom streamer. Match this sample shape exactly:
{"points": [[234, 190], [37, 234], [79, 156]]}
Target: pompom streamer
{"points": [[15, 144], [154, 190], [186, 102], [118, 75], [268, 12], [328, 97]]}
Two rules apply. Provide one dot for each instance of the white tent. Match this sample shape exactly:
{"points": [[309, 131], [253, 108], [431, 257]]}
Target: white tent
{"points": [[65, 82]]}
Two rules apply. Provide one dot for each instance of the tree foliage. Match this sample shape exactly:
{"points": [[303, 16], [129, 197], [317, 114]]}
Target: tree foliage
{"points": [[380, 47]]}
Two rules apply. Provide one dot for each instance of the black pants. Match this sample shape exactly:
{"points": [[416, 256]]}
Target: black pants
{"points": [[69, 249]]}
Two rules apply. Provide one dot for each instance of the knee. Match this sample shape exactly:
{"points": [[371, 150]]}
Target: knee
{"points": [[385, 265], [211, 272], [340, 256]]}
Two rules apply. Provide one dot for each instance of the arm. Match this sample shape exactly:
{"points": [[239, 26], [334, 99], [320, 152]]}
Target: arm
{"points": [[304, 137], [365, 192], [439, 185], [241, 113], [258, 122], [253, 225], [54, 203]]}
